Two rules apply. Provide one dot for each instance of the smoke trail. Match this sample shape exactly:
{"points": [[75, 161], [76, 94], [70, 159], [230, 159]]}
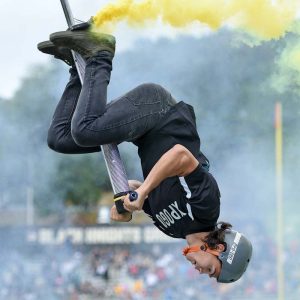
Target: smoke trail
{"points": [[261, 20], [265, 19], [287, 76]]}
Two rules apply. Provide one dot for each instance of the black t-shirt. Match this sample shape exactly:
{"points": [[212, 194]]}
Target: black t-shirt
{"points": [[179, 205]]}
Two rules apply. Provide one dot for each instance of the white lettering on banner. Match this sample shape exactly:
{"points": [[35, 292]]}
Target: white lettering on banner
{"points": [[167, 218], [99, 235], [75, 235], [112, 235], [92, 235], [46, 236], [50, 236]]}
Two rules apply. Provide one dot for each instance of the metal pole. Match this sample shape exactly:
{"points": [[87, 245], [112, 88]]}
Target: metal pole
{"points": [[114, 164], [279, 201], [79, 61], [67, 12]]}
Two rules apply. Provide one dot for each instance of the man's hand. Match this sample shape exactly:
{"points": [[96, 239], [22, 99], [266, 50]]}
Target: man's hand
{"points": [[137, 204], [115, 216]]}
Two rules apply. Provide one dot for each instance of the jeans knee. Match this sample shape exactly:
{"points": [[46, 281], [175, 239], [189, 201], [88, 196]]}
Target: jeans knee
{"points": [[78, 134], [57, 143], [150, 88], [85, 133], [163, 95], [147, 93], [51, 140]]}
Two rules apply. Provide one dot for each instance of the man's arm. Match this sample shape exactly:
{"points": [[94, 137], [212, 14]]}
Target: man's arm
{"points": [[125, 217], [178, 161], [134, 184]]}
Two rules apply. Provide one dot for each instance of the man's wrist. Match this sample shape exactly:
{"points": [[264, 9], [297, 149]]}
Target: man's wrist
{"points": [[144, 190]]}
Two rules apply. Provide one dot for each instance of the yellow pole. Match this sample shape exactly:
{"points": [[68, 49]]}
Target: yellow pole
{"points": [[279, 200]]}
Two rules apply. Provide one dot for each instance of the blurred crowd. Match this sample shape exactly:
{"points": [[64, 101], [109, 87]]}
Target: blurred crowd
{"points": [[136, 272]]}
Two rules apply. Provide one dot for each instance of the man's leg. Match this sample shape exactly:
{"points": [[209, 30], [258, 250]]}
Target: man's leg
{"points": [[125, 119], [59, 133]]}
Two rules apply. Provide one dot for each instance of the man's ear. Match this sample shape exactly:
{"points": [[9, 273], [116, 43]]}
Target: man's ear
{"points": [[220, 247]]}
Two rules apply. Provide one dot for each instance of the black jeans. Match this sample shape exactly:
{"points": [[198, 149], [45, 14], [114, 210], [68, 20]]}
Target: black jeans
{"points": [[83, 120]]}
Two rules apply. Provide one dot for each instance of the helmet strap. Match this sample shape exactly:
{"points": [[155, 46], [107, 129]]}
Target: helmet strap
{"points": [[190, 249], [213, 252], [197, 248]]}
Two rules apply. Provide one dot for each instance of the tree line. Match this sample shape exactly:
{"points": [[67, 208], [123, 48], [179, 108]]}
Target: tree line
{"points": [[229, 86]]}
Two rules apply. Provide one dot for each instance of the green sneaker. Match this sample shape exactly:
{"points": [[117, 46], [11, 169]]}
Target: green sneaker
{"points": [[61, 53], [85, 42]]}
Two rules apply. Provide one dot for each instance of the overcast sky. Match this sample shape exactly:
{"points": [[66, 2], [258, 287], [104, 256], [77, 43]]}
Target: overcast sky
{"points": [[25, 23]]}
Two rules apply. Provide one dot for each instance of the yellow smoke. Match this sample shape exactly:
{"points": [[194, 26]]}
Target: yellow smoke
{"points": [[262, 19], [288, 68], [265, 19]]}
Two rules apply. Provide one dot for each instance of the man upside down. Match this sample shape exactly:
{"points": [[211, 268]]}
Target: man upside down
{"points": [[178, 193]]}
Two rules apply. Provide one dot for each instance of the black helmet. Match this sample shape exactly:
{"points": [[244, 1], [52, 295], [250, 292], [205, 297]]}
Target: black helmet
{"points": [[236, 258]]}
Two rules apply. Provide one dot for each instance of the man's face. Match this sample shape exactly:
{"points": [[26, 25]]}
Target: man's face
{"points": [[205, 263]]}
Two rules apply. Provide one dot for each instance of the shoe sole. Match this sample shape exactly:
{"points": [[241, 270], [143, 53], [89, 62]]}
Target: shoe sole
{"points": [[50, 48], [46, 47], [69, 38], [105, 38]]}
